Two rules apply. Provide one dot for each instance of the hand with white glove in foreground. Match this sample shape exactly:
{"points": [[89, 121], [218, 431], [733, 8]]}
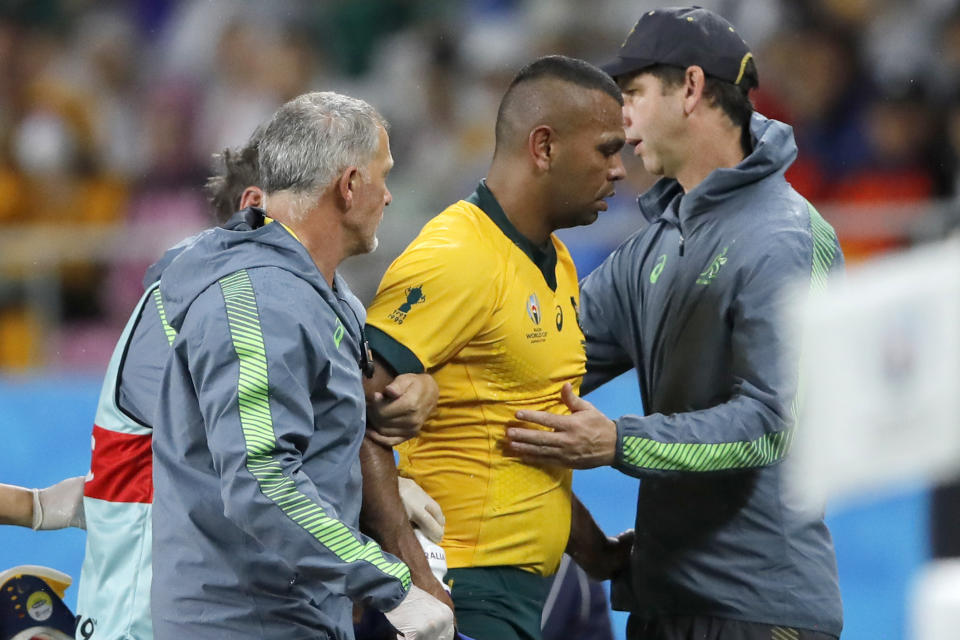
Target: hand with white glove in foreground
{"points": [[59, 506], [423, 512], [55, 507], [420, 616]]}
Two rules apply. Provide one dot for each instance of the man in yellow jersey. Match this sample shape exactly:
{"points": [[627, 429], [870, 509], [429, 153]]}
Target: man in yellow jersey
{"points": [[485, 299]]}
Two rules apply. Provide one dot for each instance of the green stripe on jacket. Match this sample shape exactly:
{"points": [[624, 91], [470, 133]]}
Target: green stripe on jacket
{"points": [[257, 425], [768, 448]]}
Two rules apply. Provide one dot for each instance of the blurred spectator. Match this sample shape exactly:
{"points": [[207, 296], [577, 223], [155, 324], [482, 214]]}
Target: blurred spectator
{"points": [[943, 74], [236, 97], [898, 126], [63, 183], [897, 171], [108, 77], [950, 150], [110, 112], [167, 203], [813, 79]]}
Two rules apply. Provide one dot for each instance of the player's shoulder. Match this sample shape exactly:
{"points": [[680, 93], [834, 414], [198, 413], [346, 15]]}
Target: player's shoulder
{"points": [[273, 296], [462, 220], [272, 286], [460, 234], [765, 214]]}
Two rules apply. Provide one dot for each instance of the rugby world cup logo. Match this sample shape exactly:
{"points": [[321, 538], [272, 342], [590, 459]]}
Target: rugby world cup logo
{"points": [[533, 308], [414, 296]]}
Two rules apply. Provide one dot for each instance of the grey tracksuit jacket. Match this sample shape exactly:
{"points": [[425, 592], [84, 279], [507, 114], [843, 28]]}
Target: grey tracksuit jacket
{"points": [[693, 303], [259, 421]]}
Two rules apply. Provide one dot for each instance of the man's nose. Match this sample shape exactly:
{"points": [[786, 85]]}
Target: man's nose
{"points": [[617, 171]]}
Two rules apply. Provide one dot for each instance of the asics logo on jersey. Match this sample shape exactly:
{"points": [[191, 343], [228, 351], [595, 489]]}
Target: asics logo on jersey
{"points": [[711, 272], [658, 268], [414, 296]]}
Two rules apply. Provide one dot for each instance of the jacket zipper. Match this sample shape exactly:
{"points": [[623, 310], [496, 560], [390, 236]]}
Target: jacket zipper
{"points": [[670, 222], [679, 231]]}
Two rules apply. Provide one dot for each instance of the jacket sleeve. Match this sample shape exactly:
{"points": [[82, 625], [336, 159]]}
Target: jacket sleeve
{"points": [[254, 393], [754, 427], [604, 323]]}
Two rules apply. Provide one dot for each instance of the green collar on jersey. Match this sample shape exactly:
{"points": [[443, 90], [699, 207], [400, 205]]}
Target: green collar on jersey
{"points": [[545, 260]]}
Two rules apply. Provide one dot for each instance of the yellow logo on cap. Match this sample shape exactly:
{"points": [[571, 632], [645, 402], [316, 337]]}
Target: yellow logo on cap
{"points": [[743, 66]]}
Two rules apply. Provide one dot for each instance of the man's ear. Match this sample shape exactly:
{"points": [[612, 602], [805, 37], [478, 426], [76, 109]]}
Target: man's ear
{"points": [[346, 186], [540, 145], [694, 81], [251, 197]]}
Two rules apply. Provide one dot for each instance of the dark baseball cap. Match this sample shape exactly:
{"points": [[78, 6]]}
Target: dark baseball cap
{"points": [[684, 36]]}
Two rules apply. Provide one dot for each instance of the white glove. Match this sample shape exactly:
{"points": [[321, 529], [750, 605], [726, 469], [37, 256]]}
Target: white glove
{"points": [[59, 506], [422, 510], [420, 616]]}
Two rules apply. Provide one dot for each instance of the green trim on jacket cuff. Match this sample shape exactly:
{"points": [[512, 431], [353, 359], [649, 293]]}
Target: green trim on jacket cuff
{"points": [[618, 462], [392, 352]]}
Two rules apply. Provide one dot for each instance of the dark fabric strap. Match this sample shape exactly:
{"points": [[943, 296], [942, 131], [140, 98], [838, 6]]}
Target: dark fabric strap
{"points": [[713, 628]]}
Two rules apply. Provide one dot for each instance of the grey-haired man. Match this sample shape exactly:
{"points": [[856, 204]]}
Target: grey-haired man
{"points": [[261, 409]]}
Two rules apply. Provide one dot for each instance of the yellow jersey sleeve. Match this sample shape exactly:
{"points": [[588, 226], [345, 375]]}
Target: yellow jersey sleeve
{"points": [[436, 296]]}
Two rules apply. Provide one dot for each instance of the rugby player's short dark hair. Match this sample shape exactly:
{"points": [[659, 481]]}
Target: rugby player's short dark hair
{"points": [[573, 70]]}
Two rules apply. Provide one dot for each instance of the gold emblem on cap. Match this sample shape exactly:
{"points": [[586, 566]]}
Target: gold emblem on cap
{"points": [[743, 66]]}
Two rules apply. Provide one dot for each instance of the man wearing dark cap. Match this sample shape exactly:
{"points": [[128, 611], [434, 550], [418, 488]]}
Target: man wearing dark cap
{"points": [[693, 302]]}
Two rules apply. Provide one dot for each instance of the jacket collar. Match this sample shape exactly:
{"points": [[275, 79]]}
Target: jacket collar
{"points": [[773, 152]]}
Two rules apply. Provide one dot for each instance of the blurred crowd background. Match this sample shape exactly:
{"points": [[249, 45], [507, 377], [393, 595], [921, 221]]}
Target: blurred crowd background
{"points": [[111, 110]]}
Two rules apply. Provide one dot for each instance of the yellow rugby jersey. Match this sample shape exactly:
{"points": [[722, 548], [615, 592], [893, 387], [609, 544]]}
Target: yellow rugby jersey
{"points": [[494, 319]]}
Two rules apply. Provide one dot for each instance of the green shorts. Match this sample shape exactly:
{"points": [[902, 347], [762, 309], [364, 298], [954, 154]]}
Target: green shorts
{"points": [[498, 603]]}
